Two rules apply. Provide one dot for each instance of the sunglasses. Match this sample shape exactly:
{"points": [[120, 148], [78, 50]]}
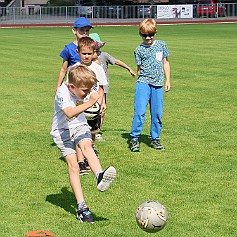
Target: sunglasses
{"points": [[147, 35]]}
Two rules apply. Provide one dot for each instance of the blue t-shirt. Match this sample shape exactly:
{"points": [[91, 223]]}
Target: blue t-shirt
{"points": [[70, 54], [150, 59]]}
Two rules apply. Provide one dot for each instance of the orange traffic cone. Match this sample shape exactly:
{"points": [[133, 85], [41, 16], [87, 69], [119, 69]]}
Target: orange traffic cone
{"points": [[38, 233]]}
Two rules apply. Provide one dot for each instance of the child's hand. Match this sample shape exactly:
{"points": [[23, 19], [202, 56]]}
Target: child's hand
{"points": [[94, 96], [102, 109], [132, 72], [167, 86]]}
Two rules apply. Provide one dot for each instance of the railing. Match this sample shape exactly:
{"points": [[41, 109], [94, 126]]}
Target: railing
{"points": [[67, 14]]}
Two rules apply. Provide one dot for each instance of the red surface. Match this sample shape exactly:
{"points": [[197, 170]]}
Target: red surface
{"points": [[198, 21], [39, 233]]}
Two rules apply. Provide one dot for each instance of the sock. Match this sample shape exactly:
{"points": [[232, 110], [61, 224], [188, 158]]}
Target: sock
{"points": [[98, 173], [81, 205]]}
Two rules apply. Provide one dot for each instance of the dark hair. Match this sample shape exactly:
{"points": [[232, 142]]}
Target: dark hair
{"points": [[86, 42]]}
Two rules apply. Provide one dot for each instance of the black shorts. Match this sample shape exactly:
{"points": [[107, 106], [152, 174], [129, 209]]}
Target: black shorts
{"points": [[94, 125]]}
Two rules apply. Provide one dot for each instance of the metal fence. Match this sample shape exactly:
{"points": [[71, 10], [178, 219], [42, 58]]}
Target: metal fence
{"points": [[67, 14]]}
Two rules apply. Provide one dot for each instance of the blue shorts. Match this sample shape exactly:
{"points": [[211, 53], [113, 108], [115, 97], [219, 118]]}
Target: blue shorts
{"points": [[67, 139]]}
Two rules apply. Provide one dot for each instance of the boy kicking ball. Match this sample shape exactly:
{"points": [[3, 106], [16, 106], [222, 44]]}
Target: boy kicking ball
{"points": [[70, 129]]}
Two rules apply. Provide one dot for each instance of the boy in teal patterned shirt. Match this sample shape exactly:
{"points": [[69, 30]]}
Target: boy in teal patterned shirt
{"points": [[152, 67]]}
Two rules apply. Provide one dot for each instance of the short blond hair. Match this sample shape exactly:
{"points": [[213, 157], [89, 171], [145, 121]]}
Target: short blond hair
{"points": [[147, 26], [81, 75]]}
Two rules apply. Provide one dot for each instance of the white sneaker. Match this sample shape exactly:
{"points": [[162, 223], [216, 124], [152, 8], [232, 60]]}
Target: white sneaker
{"points": [[99, 138], [106, 178]]}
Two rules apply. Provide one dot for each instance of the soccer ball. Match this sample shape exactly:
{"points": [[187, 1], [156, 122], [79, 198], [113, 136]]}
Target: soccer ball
{"points": [[93, 112], [151, 216]]}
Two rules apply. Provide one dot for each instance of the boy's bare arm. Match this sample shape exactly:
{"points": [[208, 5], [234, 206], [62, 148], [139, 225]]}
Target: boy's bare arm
{"points": [[71, 112], [124, 65], [101, 101], [138, 70], [62, 74], [101, 93], [167, 74]]}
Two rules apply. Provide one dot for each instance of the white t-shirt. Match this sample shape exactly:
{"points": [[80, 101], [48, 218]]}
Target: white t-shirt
{"points": [[63, 99], [100, 76], [98, 70]]}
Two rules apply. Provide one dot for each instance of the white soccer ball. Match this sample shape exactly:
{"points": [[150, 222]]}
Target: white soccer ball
{"points": [[151, 216], [93, 112]]}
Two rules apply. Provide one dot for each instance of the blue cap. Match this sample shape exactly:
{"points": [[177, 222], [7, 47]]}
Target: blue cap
{"points": [[82, 22]]}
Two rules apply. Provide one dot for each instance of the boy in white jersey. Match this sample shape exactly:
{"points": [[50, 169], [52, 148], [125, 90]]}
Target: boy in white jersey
{"points": [[86, 50], [70, 129]]}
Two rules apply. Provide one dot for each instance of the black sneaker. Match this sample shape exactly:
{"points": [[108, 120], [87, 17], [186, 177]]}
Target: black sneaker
{"points": [[106, 178], [85, 215], [156, 144], [134, 145], [83, 169], [87, 164]]}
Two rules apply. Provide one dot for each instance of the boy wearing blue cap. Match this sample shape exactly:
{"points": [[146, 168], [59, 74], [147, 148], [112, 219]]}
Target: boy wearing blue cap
{"points": [[81, 28]]}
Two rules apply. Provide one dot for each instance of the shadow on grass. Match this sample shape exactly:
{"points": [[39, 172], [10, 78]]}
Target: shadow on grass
{"points": [[66, 200], [62, 159], [112, 130], [142, 139]]}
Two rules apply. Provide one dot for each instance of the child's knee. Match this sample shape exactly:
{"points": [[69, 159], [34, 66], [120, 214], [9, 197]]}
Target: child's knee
{"points": [[73, 168], [86, 146]]}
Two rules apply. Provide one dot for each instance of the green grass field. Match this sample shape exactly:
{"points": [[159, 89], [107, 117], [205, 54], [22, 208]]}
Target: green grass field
{"points": [[195, 177]]}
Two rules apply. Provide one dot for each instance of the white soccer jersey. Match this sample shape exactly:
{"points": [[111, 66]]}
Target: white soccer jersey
{"points": [[98, 70], [63, 99], [100, 76]]}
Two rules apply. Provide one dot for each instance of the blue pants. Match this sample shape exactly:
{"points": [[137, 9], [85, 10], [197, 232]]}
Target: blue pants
{"points": [[154, 95]]}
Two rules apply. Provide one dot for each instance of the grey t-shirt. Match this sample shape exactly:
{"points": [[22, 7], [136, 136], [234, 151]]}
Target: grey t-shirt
{"points": [[105, 59]]}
